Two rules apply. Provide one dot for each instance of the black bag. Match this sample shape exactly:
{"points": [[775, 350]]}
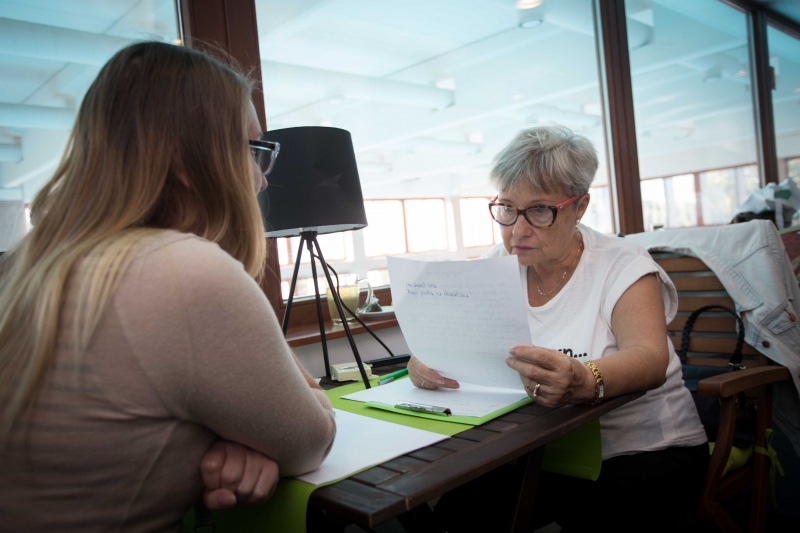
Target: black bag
{"points": [[708, 408]]}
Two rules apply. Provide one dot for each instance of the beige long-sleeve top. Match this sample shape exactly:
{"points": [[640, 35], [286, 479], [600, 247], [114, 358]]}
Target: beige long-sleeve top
{"points": [[188, 351]]}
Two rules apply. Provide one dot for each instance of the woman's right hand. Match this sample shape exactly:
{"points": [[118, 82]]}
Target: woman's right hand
{"points": [[425, 378]]}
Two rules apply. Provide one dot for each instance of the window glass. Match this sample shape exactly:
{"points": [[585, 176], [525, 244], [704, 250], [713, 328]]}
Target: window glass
{"points": [[476, 222], [283, 251], [57, 51], [784, 58], [378, 278], [385, 234], [683, 201], [654, 204], [793, 169], [431, 91], [693, 103], [598, 214], [498, 235], [426, 226], [725, 190]]}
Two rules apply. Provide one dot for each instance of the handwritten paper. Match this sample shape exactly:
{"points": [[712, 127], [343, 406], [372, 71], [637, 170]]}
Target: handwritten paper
{"points": [[469, 400], [461, 317], [362, 442]]}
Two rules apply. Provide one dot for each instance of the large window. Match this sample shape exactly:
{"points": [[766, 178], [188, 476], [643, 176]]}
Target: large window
{"points": [[693, 103], [672, 201], [431, 91], [50, 52], [785, 61], [477, 226]]}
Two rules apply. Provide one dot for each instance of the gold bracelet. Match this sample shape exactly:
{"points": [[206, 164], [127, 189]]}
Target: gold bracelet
{"points": [[599, 385]]}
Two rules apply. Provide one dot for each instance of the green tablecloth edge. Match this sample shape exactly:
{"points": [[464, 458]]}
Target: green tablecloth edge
{"points": [[576, 454]]}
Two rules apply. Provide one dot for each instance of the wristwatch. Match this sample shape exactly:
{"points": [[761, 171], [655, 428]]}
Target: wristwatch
{"points": [[599, 384]]}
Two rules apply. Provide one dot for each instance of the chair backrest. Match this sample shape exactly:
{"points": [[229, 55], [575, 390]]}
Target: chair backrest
{"points": [[713, 337]]}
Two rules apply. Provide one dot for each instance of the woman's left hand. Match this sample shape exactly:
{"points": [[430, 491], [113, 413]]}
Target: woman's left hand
{"points": [[235, 474], [555, 378]]}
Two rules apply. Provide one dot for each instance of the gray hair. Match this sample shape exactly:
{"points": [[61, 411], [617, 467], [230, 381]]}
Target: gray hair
{"points": [[547, 159]]}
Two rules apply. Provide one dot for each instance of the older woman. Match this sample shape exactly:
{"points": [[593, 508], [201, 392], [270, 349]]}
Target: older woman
{"points": [[597, 310]]}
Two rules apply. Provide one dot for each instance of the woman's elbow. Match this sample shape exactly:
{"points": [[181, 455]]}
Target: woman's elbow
{"points": [[317, 443], [661, 358]]}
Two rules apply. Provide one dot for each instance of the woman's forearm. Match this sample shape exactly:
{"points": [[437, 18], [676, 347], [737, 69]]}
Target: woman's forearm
{"points": [[630, 370]]}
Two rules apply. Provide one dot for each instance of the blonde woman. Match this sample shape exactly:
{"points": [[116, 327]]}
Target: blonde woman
{"points": [[133, 336]]}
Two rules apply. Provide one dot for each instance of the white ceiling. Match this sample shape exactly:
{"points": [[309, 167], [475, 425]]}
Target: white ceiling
{"points": [[430, 89], [350, 58]]}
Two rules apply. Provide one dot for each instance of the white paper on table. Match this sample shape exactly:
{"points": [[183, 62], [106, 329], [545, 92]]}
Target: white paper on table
{"points": [[362, 442], [469, 400], [460, 318]]}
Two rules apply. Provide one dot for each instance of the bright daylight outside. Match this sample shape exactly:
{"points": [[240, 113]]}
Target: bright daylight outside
{"points": [[693, 93], [50, 52], [431, 91]]}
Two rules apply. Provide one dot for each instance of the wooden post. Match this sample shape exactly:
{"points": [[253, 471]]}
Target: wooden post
{"points": [[228, 29], [615, 79]]}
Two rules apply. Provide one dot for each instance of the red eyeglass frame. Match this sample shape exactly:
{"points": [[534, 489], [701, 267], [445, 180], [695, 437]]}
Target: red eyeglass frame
{"points": [[553, 208]]}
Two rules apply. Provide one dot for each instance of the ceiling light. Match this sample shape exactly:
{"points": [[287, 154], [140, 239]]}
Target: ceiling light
{"points": [[528, 23], [177, 42], [528, 4], [741, 73], [797, 90]]}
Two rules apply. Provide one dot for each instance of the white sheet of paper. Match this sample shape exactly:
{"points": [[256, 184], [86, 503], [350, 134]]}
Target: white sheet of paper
{"points": [[469, 400], [362, 442], [461, 317]]}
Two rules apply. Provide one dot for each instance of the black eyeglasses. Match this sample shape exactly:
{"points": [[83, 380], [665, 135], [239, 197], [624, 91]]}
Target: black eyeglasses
{"points": [[538, 216], [265, 153]]}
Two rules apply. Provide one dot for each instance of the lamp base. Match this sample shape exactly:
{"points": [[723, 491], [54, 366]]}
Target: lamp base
{"points": [[309, 238]]}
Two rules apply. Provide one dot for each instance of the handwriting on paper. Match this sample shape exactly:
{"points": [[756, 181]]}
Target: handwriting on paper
{"points": [[423, 289], [460, 318]]}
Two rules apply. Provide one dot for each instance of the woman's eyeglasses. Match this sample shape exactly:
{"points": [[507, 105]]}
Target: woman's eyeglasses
{"points": [[538, 216], [265, 153]]}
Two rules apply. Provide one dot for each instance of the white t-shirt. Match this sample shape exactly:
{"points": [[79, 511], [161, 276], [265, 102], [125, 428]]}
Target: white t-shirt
{"points": [[577, 321]]}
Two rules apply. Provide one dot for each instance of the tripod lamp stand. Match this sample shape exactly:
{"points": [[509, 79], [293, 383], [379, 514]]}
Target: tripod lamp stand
{"points": [[314, 190]]}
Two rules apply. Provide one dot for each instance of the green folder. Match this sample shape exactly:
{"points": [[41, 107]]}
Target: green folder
{"points": [[465, 420], [576, 454]]}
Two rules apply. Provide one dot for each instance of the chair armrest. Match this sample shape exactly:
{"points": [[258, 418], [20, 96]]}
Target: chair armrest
{"points": [[731, 383]]}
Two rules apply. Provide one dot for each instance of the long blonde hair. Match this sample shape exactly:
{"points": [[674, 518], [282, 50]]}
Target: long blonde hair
{"points": [[154, 111]]}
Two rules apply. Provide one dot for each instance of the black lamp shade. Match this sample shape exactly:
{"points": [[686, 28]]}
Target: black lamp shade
{"points": [[314, 184]]}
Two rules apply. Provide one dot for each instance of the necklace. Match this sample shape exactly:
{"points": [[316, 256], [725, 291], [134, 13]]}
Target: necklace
{"points": [[564, 275]]}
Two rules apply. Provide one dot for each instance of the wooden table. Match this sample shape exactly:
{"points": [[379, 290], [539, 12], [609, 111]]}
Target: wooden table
{"points": [[404, 483]]}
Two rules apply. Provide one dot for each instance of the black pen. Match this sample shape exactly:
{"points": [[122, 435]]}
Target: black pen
{"points": [[422, 408]]}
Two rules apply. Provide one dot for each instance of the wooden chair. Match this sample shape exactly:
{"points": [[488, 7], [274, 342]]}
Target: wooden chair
{"points": [[711, 343]]}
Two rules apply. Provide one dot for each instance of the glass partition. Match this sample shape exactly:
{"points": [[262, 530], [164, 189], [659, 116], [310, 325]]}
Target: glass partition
{"points": [[50, 52], [431, 92], [784, 58], [693, 103]]}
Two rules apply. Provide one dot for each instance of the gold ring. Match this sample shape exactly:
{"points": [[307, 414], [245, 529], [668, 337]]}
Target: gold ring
{"points": [[536, 390]]}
